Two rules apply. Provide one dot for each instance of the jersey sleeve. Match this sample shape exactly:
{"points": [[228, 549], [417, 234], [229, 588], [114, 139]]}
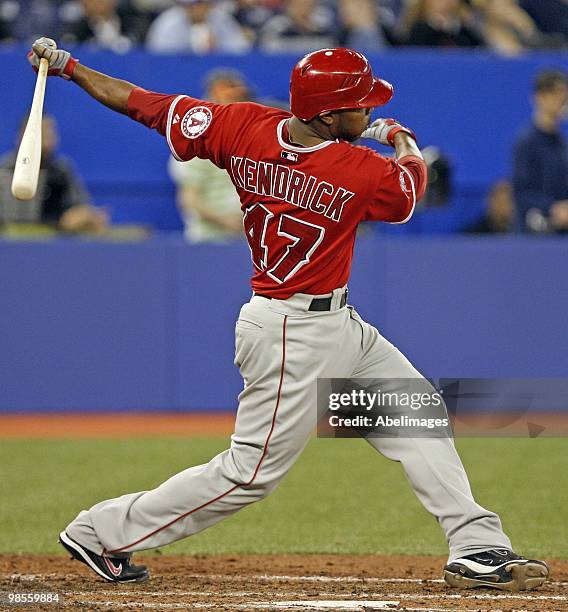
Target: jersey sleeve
{"points": [[192, 127], [398, 189]]}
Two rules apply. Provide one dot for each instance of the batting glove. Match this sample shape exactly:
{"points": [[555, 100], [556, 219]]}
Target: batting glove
{"points": [[60, 62], [384, 130]]}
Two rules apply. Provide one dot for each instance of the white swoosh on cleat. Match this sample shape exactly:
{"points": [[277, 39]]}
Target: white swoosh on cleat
{"points": [[116, 571]]}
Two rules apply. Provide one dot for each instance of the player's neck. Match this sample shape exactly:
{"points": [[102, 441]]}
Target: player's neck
{"points": [[307, 134]]}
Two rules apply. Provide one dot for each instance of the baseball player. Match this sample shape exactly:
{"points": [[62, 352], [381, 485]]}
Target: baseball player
{"points": [[304, 189]]}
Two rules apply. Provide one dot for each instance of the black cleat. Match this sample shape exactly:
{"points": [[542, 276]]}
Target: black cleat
{"points": [[113, 569], [497, 569]]}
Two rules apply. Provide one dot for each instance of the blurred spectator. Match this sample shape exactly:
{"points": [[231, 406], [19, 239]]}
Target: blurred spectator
{"points": [[551, 17], [153, 7], [196, 26], [391, 11], [540, 172], [8, 15], [252, 15], [305, 25], [558, 217], [61, 200], [105, 24], [360, 25], [440, 23], [208, 202], [440, 175], [507, 28], [500, 215], [26, 20]]}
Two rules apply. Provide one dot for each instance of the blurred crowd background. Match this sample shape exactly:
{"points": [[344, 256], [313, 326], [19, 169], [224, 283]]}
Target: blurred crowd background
{"points": [[517, 181], [235, 26], [115, 321]]}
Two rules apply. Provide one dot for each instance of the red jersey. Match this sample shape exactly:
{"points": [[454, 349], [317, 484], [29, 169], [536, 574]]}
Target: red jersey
{"points": [[301, 205]]}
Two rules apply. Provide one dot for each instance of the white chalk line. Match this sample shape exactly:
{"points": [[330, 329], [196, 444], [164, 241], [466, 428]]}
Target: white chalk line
{"points": [[407, 609], [32, 577], [346, 579], [332, 605], [137, 605], [454, 596], [275, 578], [260, 578], [366, 606], [171, 593], [361, 605]]}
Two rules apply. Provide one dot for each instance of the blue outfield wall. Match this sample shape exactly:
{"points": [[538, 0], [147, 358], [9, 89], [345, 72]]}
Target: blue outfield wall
{"points": [[89, 326], [470, 104]]}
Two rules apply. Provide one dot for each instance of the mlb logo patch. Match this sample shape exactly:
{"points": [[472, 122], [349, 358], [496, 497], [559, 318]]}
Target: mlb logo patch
{"points": [[289, 155]]}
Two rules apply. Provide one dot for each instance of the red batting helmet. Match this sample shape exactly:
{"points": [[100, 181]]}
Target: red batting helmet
{"points": [[335, 79]]}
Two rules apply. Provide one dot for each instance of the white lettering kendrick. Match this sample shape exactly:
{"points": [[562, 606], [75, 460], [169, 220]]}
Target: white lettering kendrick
{"points": [[289, 185]]}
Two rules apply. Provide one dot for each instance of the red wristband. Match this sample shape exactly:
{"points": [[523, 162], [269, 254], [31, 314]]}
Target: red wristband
{"points": [[67, 73], [396, 131]]}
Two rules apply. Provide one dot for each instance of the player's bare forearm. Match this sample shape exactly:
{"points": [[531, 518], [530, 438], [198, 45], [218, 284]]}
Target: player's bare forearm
{"points": [[405, 145], [107, 90]]}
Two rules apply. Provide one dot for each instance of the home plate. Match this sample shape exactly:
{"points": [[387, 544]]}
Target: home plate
{"points": [[337, 605]]}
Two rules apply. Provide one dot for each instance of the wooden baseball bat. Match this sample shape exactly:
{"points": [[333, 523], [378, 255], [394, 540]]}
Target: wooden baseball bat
{"points": [[26, 170]]}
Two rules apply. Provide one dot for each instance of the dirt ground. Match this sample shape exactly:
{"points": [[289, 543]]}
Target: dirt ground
{"points": [[284, 582], [240, 582], [132, 424], [120, 425]]}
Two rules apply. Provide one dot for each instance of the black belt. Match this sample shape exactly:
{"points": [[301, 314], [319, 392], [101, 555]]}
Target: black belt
{"points": [[318, 304]]}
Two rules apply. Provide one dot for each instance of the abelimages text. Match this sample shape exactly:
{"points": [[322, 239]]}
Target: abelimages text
{"points": [[336, 420]]}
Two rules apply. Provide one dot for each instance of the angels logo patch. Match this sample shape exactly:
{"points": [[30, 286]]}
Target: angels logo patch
{"points": [[196, 121]]}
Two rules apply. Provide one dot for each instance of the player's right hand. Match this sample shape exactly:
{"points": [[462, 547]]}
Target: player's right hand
{"points": [[60, 62], [384, 131]]}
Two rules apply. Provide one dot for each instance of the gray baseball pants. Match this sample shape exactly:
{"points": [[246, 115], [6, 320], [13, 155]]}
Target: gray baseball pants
{"points": [[281, 349]]}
